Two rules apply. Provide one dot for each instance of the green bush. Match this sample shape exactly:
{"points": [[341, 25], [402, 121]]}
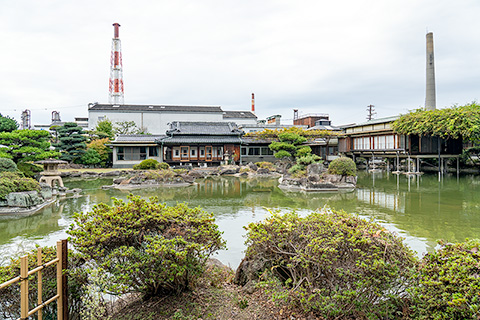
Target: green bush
{"points": [[331, 263], [15, 182], [265, 165], [163, 166], [29, 169], [7, 165], [147, 164], [296, 168], [147, 247], [343, 166], [449, 283], [160, 175], [180, 171], [76, 275], [308, 159]]}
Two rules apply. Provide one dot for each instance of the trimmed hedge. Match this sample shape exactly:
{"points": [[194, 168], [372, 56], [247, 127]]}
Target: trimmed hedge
{"points": [[147, 164], [342, 166]]}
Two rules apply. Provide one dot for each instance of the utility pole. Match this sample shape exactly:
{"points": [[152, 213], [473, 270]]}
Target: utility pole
{"points": [[370, 112]]}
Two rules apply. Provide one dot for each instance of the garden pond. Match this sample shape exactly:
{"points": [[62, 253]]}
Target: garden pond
{"points": [[421, 209]]}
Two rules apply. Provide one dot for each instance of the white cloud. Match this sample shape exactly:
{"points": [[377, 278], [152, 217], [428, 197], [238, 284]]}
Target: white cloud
{"points": [[332, 57]]}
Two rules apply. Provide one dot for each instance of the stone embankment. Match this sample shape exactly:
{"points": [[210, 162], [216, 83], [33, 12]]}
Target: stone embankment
{"points": [[29, 202], [317, 179]]}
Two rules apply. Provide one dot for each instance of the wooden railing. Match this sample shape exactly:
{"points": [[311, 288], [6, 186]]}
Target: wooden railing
{"points": [[61, 296]]}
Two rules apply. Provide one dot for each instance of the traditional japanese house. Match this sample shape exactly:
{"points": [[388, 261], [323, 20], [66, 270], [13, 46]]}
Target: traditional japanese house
{"points": [[201, 142], [131, 149], [375, 138]]}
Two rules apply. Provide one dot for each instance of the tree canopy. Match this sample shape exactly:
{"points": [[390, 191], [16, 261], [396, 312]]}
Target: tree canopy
{"points": [[454, 122], [273, 134], [71, 142], [104, 129], [7, 124], [26, 145]]}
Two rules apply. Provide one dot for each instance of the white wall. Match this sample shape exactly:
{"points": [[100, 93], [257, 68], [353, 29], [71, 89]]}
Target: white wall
{"points": [[155, 122]]}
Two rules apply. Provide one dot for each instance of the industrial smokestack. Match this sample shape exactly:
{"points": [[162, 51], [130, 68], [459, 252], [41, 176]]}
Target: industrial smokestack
{"points": [[253, 103], [430, 97]]}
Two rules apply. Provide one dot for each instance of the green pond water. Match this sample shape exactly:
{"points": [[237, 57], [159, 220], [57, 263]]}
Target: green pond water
{"points": [[420, 209]]}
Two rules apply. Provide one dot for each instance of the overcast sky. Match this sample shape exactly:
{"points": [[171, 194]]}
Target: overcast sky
{"points": [[334, 57]]}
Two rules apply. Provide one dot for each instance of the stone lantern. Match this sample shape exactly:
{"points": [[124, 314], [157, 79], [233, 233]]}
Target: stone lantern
{"points": [[50, 174]]}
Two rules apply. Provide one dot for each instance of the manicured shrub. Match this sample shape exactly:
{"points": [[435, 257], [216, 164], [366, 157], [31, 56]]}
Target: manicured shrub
{"points": [[147, 247], [296, 168], [449, 283], [147, 164], [29, 169], [343, 166], [331, 263], [76, 275], [15, 182], [160, 175], [308, 159], [163, 166], [7, 165]]}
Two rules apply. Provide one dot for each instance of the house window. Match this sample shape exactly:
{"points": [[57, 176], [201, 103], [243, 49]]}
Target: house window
{"points": [[202, 152], [243, 151], [184, 151], [120, 153], [152, 151], [193, 152], [131, 153], [177, 152], [254, 151], [266, 151], [143, 153]]}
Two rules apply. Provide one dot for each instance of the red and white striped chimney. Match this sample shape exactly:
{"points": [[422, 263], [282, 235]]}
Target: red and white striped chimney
{"points": [[253, 102], [116, 69]]}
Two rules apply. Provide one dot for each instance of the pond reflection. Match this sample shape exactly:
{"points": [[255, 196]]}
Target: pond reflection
{"points": [[419, 208]]}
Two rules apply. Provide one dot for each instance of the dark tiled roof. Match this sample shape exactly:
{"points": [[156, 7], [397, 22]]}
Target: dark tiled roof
{"points": [[154, 108], [204, 128], [132, 138], [239, 115], [200, 140]]}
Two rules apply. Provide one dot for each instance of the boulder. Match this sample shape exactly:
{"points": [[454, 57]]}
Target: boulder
{"points": [[118, 180], [252, 166], [24, 199], [228, 170], [315, 169], [45, 191], [263, 171], [249, 270]]}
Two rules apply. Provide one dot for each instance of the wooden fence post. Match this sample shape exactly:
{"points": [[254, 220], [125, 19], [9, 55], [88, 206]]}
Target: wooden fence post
{"points": [[24, 287], [59, 282], [39, 277], [64, 278]]}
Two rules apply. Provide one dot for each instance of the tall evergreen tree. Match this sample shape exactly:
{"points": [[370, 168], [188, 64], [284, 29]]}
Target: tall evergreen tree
{"points": [[26, 145], [7, 124], [71, 142]]}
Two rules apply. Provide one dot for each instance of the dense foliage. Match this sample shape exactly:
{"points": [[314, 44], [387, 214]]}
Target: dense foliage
{"points": [[7, 165], [10, 296], [71, 142], [455, 122], [147, 247], [343, 166], [449, 283], [26, 145], [7, 124], [15, 182], [128, 127], [147, 164], [29, 170], [104, 129], [104, 152], [332, 263], [91, 157], [164, 166], [273, 134], [288, 145]]}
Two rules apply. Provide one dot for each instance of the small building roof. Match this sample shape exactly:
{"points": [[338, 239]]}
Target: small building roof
{"points": [[203, 128], [152, 108], [200, 140], [239, 115], [137, 138], [373, 121]]}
